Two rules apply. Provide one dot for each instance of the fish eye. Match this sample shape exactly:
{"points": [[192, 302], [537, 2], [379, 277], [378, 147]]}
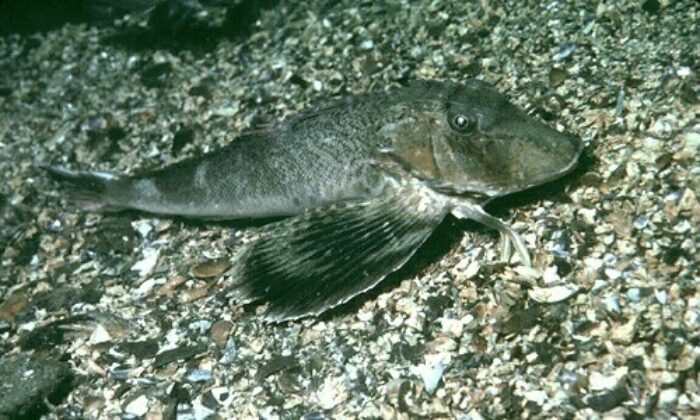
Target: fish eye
{"points": [[462, 123]]}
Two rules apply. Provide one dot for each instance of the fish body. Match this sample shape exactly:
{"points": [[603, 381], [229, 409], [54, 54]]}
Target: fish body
{"points": [[363, 181]]}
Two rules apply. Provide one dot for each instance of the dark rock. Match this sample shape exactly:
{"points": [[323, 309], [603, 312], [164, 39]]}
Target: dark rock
{"points": [[156, 75], [557, 77], [546, 352], [437, 305], [116, 133], [511, 402], [564, 266], [401, 352], [576, 401], [299, 81], [608, 400], [634, 415], [276, 364], [554, 315], [688, 95], [140, 349], [180, 353], [27, 384], [202, 90], [27, 248], [521, 321], [92, 292], [61, 297], [533, 408], [103, 134], [95, 127], [113, 235], [209, 401], [466, 361], [180, 394], [652, 7], [182, 138], [45, 337], [671, 255], [674, 349], [636, 363]]}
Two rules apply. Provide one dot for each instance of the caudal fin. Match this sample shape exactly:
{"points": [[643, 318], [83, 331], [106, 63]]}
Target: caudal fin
{"points": [[92, 191]]}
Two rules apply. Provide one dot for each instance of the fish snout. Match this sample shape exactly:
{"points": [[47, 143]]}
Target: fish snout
{"points": [[538, 153]]}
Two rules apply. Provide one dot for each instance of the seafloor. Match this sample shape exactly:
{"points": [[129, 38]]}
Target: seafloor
{"points": [[126, 314]]}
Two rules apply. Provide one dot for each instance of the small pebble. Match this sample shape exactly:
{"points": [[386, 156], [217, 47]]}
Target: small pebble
{"points": [[367, 44], [148, 263], [564, 52], [138, 407], [552, 294], [199, 375], [634, 294], [612, 304], [211, 268], [668, 396], [557, 77]]}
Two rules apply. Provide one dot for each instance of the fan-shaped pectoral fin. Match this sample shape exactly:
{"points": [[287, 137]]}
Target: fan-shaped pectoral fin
{"points": [[310, 263]]}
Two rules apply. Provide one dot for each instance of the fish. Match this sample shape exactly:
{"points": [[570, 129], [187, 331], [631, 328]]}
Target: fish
{"points": [[358, 184]]}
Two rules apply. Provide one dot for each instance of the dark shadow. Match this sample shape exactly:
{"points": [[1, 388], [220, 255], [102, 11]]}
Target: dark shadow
{"points": [[186, 25], [153, 24], [26, 17], [239, 224], [33, 16]]}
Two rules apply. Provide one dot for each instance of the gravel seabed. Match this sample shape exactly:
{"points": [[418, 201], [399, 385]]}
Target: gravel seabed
{"points": [[606, 325]]}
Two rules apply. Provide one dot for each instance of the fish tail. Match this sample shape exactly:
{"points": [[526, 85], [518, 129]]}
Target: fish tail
{"points": [[92, 191]]}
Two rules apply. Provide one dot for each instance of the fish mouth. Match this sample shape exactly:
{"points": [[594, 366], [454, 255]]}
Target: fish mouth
{"points": [[485, 191], [568, 168], [540, 157]]}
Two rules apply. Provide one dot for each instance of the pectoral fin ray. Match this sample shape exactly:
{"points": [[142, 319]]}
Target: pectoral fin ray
{"points": [[310, 263]]}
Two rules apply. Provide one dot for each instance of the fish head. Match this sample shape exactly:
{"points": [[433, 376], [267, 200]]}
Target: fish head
{"points": [[471, 140], [489, 146]]}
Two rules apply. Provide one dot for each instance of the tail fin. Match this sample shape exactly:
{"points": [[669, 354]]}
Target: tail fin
{"points": [[92, 191]]}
